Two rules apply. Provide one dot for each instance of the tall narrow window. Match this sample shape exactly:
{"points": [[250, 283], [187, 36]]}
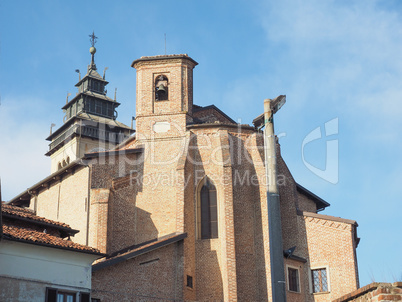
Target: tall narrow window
{"points": [[293, 279], [208, 211], [161, 88]]}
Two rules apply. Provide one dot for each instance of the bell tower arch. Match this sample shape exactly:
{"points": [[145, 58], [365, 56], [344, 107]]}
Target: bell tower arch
{"points": [[164, 94]]}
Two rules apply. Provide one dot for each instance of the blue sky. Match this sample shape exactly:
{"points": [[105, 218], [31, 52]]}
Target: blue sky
{"points": [[337, 60]]}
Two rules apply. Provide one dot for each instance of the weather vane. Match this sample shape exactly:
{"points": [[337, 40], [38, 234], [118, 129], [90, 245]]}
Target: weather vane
{"points": [[93, 39]]}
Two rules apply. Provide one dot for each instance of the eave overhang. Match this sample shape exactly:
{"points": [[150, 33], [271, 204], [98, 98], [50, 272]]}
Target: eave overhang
{"points": [[53, 246], [114, 153], [163, 57], [219, 125], [87, 117], [321, 203], [65, 232], [96, 77], [92, 94], [138, 250]]}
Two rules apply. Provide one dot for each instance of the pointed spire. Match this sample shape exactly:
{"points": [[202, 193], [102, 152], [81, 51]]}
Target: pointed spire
{"points": [[92, 50]]}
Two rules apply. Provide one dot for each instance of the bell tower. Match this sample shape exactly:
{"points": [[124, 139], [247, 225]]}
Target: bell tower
{"points": [[164, 94], [90, 123]]}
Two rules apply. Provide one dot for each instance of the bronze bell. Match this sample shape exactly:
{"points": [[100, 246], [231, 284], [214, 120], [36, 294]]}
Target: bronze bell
{"points": [[161, 88]]}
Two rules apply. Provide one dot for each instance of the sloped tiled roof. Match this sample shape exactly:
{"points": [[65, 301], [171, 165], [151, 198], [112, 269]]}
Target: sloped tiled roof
{"points": [[210, 114], [21, 224], [137, 250], [32, 236], [29, 214], [95, 118]]}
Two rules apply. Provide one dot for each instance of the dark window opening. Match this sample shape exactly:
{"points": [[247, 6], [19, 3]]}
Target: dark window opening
{"points": [[55, 295], [320, 280], [293, 279], [98, 107], [161, 88], [189, 281], [209, 211]]}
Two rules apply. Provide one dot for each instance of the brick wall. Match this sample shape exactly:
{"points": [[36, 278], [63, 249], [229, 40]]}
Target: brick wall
{"points": [[331, 245], [294, 296], [98, 219], [155, 276], [215, 258], [136, 201], [374, 292], [248, 198], [65, 199]]}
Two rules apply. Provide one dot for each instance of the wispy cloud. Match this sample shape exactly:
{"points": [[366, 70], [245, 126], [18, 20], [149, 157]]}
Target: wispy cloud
{"points": [[22, 160], [350, 50]]}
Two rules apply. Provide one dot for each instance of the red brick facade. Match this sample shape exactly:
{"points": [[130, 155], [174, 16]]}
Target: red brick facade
{"points": [[123, 200]]}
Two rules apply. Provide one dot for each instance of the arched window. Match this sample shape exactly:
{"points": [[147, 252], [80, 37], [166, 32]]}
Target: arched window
{"points": [[161, 88], [207, 210]]}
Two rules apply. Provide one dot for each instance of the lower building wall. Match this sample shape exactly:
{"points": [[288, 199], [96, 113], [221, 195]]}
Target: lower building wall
{"points": [[154, 276], [209, 279], [25, 290], [26, 270]]}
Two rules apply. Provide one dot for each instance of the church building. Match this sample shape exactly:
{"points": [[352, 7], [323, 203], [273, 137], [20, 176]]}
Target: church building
{"points": [[180, 206]]}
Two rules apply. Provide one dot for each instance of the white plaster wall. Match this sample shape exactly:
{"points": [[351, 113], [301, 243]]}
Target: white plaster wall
{"points": [[68, 150], [61, 268]]}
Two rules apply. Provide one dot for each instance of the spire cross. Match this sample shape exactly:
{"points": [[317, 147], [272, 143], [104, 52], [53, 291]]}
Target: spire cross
{"points": [[93, 39]]}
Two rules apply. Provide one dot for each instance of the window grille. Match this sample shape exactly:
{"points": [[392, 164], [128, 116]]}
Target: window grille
{"points": [[293, 279], [320, 280]]}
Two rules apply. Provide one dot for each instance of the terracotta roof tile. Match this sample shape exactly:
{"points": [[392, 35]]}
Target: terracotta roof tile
{"points": [[23, 225], [25, 234], [29, 214], [163, 56]]}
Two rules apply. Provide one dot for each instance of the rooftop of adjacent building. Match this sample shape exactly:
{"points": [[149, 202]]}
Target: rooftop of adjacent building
{"points": [[22, 225], [138, 249], [376, 291]]}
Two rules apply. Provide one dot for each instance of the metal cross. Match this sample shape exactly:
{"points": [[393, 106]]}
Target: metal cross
{"points": [[93, 39]]}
